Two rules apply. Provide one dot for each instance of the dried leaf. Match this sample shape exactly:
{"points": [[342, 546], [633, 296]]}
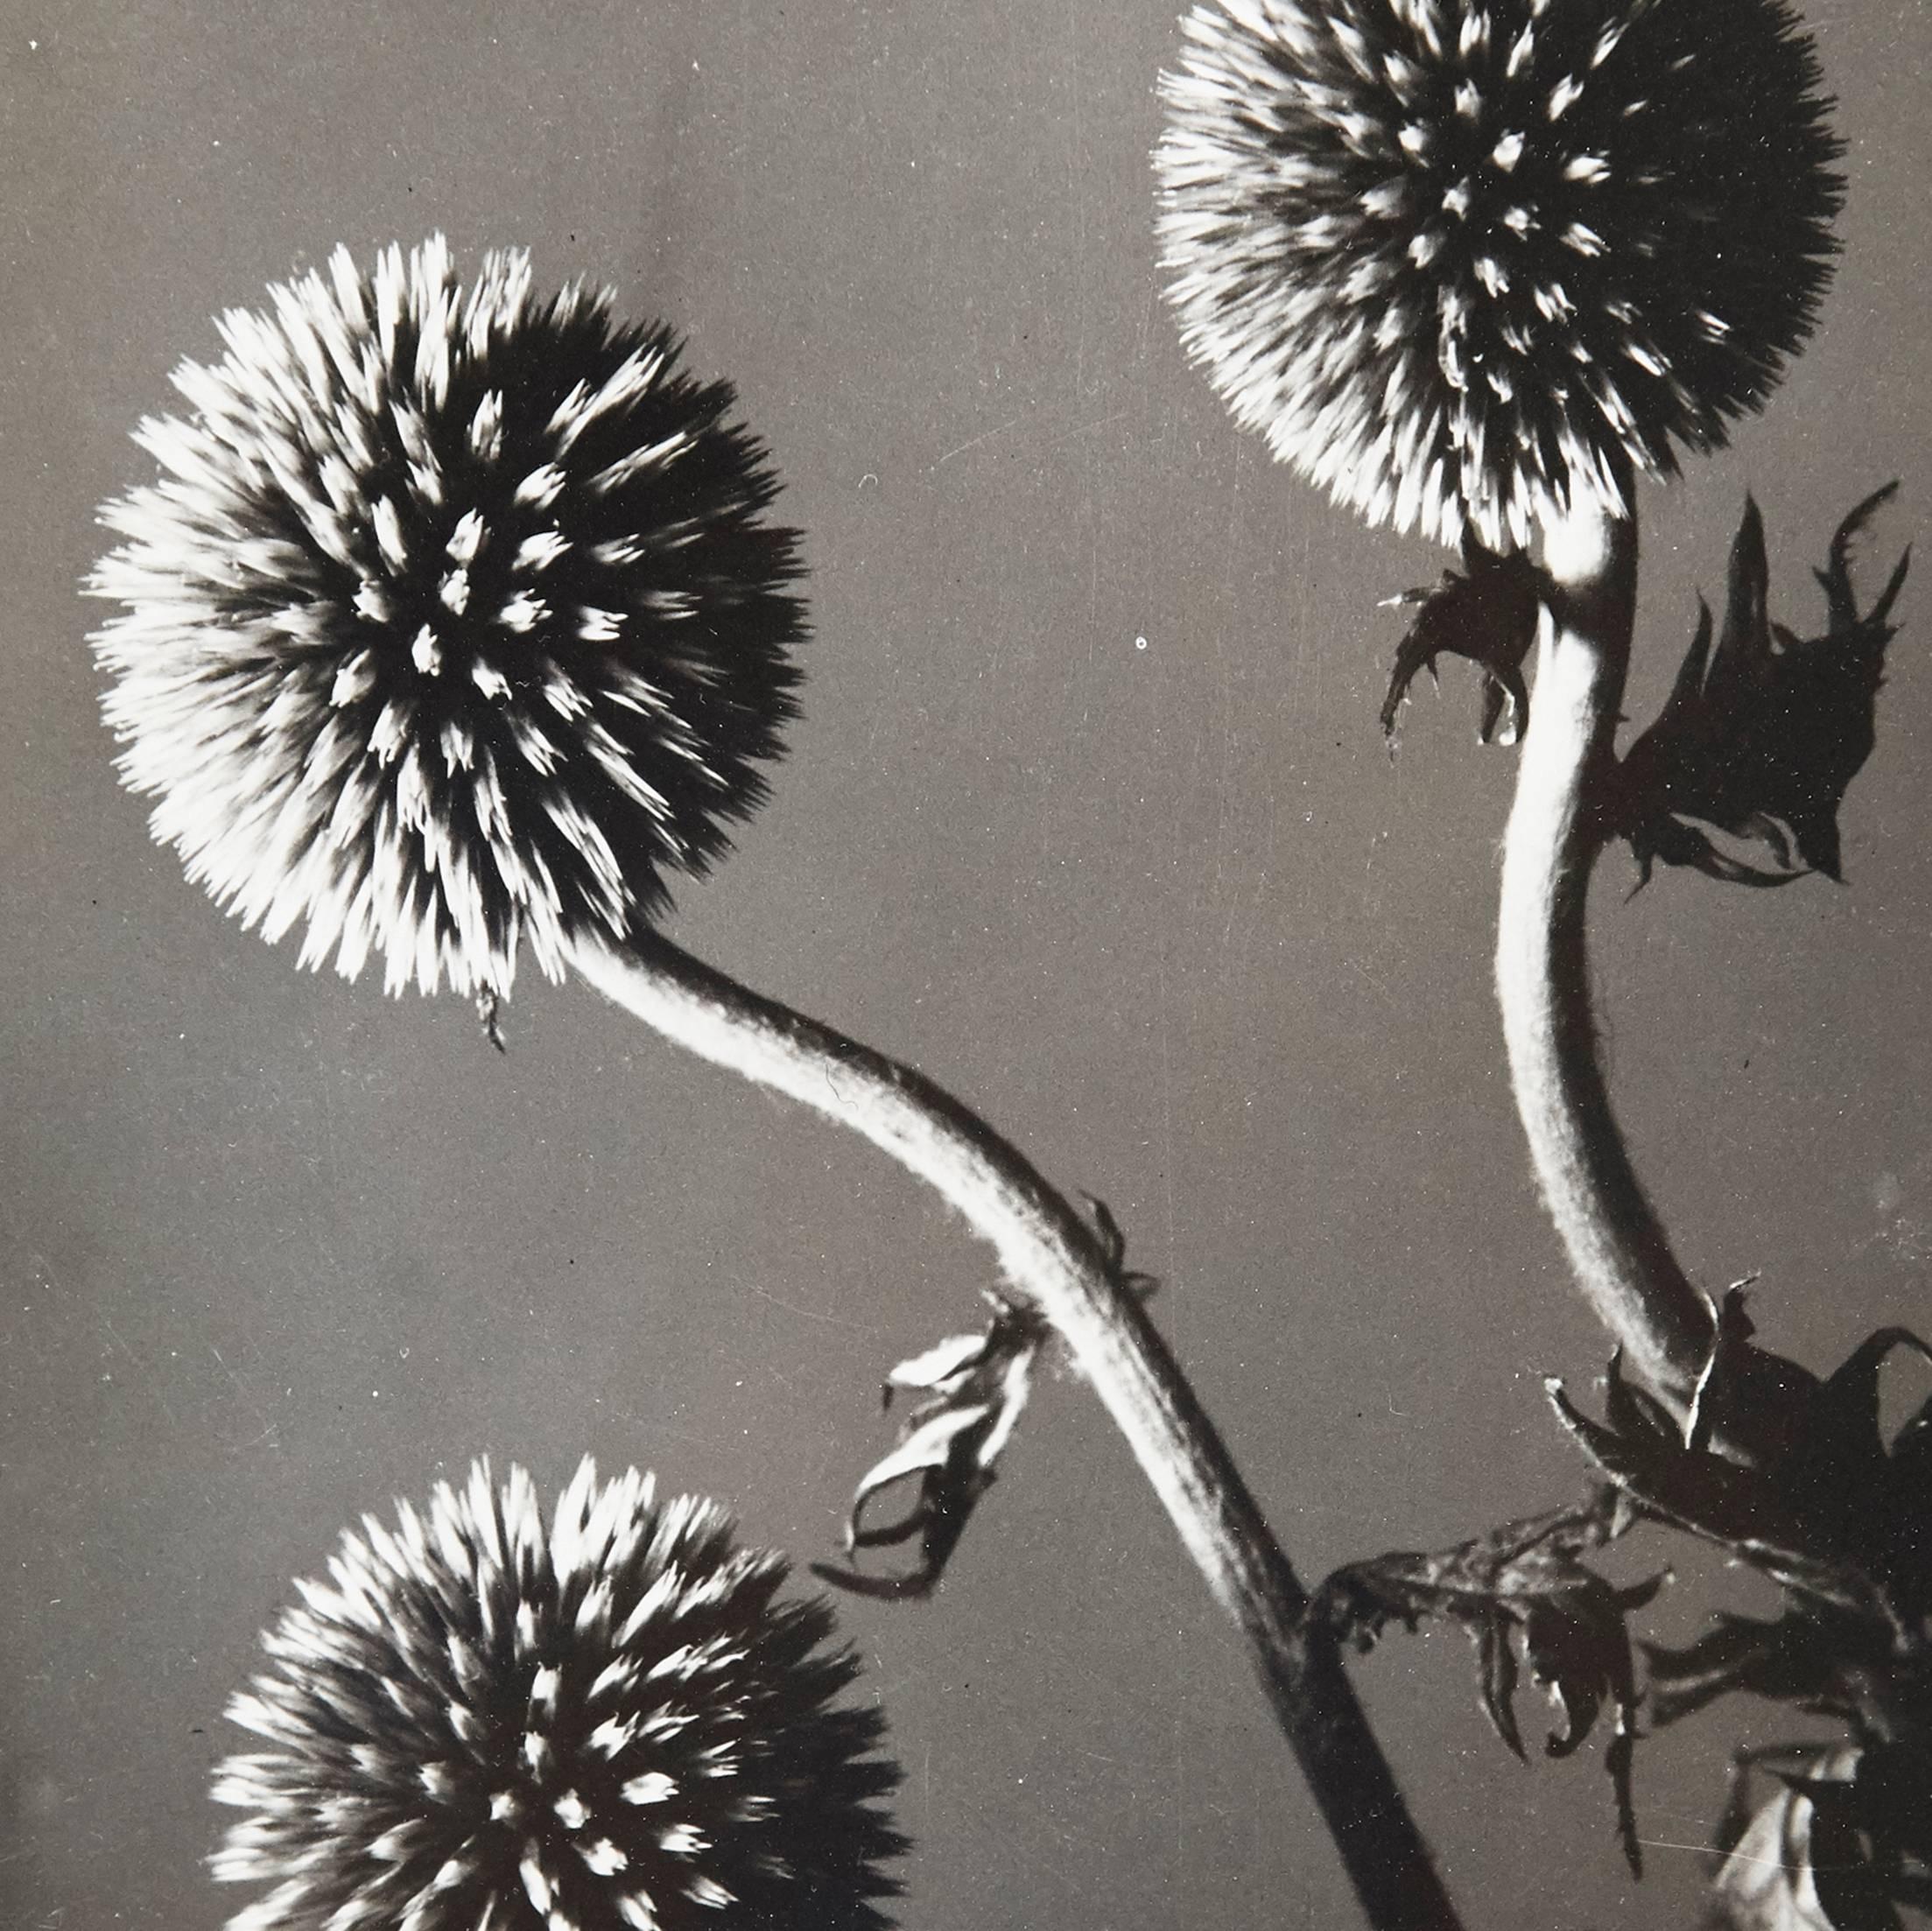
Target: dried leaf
{"points": [[1837, 1518], [489, 1016], [1759, 737], [1522, 1587], [974, 1386], [1837, 1849], [1767, 1880], [1730, 1332], [1486, 613], [1802, 1659], [1113, 1244]]}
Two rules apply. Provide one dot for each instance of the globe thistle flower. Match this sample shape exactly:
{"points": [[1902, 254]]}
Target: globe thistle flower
{"points": [[1465, 264], [453, 621], [612, 1725]]}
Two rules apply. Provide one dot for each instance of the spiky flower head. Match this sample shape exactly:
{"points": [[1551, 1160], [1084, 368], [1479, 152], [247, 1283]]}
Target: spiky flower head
{"points": [[452, 621], [1465, 263], [478, 1725]]}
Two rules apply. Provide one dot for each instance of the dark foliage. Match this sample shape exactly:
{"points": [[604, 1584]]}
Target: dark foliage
{"points": [[1838, 1517], [1842, 1841], [1522, 1587], [1487, 613], [1840, 1522], [1760, 737]]}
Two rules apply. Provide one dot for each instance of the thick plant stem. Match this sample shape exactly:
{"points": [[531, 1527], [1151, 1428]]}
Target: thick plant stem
{"points": [[1054, 1263], [1616, 1244]]}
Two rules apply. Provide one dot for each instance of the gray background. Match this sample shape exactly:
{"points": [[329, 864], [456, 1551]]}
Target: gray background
{"points": [[275, 1249]]}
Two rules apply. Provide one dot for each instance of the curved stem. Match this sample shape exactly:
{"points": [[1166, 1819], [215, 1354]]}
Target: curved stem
{"points": [[1616, 1244], [1053, 1261]]}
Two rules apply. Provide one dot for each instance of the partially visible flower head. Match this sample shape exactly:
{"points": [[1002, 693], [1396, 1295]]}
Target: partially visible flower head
{"points": [[453, 621], [613, 1724], [1464, 264]]}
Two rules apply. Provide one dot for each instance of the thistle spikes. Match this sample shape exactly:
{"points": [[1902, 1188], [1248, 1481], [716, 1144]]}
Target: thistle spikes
{"points": [[614, 1724], [452, 621], [1466, 264]]}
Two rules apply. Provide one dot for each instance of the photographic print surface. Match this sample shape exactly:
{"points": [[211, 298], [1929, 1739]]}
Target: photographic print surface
{"points": [[1086, 812]]}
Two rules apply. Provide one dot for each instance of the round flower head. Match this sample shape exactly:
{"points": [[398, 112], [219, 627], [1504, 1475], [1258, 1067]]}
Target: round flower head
{"points": [[1466, 264], [614, 1725], [452, 622]]}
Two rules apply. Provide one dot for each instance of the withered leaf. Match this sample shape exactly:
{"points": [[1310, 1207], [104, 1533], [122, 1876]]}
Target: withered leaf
{"points": [[974, 1387], [1486, 613], [1108, 1232], [1761, 736], [1811, 1661], [1839, 1848], [1887, 1802], [1837, 1518], [1769, 1852], [1523, 1587], [489, 1016]]}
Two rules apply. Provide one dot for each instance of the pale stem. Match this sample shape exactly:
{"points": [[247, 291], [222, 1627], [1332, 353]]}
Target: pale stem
{"points": [[1617, 1247], [1054, 1263]]}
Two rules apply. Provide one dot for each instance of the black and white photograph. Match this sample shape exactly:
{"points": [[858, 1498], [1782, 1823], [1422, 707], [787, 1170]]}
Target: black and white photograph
{"points": [[967, 965]]}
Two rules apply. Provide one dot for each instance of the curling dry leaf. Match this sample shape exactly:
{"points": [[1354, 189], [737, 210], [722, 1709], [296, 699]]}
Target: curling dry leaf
{"points": [[972, 1389], [1522, 1587], [1761, 736], [1838, 1519], [1486, 613]]}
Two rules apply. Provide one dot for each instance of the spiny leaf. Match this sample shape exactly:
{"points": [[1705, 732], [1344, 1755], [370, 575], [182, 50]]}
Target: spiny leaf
{"points": [[1761, 736], [1803, 1660], [1838, 1517], [1487, 614], [1523, 1586], [1838, 1520]]}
